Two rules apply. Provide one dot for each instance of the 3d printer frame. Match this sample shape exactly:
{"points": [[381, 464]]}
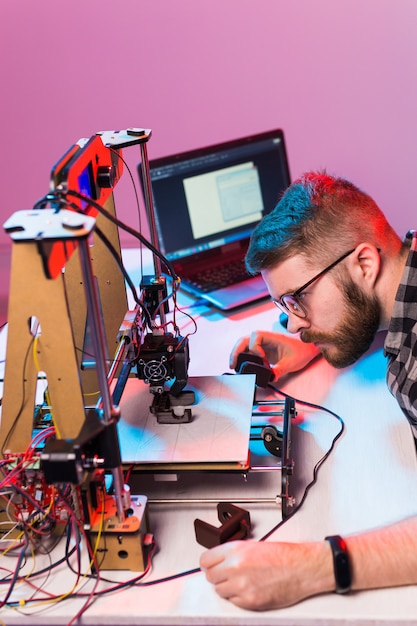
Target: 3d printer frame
{"points": [[76, 296]]}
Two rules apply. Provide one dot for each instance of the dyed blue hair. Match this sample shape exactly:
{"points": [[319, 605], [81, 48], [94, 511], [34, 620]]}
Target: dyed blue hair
{"points": [[318, 216]]}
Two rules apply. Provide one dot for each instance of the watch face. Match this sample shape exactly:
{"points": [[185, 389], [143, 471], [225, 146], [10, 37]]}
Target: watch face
{"points": [[341, 563], [343, 571]]}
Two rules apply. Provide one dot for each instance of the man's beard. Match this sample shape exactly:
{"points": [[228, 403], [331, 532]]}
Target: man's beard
{"points": [[356, 332]]}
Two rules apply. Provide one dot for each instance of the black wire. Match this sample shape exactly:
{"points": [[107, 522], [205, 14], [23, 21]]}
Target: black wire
{"points": [[22, 405], [132, 180], [117, 585], [119, 156], [60, 197], [126, 276], [15, 576], [121, 225], [54, 199], [317, 465], [68, 553]]}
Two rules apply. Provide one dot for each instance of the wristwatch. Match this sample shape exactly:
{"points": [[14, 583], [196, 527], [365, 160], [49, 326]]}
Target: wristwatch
{"points": [[341, 563]]}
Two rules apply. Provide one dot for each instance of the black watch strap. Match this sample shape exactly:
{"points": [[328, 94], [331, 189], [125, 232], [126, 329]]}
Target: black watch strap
{"points": [[341, 563]]}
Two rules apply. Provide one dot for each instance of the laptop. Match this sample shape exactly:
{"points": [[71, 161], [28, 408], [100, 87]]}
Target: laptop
{"points": [[207, 201]]}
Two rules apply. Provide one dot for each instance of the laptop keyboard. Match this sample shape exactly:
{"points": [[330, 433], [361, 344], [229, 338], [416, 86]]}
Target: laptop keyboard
{"points": [[219, 277]]}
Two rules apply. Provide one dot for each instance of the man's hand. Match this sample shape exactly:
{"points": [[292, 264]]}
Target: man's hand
{"points": [[268, 575], [285, 354]]}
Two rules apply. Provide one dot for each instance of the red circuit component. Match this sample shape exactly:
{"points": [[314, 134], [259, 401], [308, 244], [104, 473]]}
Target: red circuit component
{"points": [[28, 496]]}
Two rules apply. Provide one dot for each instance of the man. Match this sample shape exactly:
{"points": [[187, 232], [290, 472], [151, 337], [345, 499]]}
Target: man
{"points": [[333, 263]]}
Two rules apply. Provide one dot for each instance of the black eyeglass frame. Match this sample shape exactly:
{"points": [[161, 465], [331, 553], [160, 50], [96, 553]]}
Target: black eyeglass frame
{"points": [[280, 303]]}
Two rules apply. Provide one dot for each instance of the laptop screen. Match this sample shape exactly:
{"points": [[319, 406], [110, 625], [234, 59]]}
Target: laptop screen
{"points": [[213, 196]]}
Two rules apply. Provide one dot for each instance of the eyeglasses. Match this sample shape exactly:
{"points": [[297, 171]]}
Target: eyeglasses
{"points": [[291, 302]]}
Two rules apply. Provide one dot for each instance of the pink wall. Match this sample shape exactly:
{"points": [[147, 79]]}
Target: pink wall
{"points": [[340, 76]]}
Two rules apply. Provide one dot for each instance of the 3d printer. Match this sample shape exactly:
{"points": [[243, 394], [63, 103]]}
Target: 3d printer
{"points": [[63, 322]]}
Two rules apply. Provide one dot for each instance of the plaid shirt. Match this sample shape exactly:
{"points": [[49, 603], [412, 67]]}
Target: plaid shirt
{"points": [[401, 340]]}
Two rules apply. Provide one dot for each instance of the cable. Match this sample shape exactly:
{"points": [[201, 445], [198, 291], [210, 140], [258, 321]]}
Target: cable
{"points": [[319, 462], [22, 405], [132, 180], [129, 281], [61, 197], [14, 577]]}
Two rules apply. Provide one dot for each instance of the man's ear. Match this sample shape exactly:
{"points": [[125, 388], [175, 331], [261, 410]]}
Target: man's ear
{"points": [[366, 264]]}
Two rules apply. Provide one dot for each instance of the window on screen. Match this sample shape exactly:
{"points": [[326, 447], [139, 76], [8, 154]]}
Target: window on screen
{"points": [[223, 199]]}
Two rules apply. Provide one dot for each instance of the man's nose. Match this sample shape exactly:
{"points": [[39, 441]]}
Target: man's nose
{"points": [[296, 324]]}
